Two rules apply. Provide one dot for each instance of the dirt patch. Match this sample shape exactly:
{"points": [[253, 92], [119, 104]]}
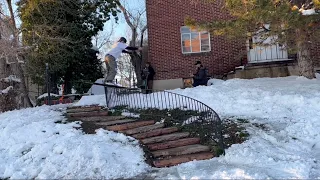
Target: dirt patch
{"points": [[233, 133]]}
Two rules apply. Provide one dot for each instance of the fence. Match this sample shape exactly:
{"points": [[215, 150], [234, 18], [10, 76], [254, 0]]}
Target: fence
{"points": [[190, 114]]}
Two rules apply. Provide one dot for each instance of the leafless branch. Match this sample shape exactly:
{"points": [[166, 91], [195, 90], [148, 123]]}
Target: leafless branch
{"points": [[144, 29], [126, 16]]}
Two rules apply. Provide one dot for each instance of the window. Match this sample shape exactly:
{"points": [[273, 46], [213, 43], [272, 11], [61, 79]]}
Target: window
{"points": [[194, 41]]}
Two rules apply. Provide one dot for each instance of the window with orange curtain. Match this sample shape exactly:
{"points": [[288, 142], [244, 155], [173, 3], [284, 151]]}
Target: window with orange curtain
{"points": [[194, 41]]}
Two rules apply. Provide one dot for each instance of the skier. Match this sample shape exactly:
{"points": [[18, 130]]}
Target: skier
{"points": [[113, 55]]}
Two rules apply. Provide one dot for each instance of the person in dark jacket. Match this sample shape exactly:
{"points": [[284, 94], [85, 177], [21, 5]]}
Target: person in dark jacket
{"points": [[200, 77], [148, 76]]}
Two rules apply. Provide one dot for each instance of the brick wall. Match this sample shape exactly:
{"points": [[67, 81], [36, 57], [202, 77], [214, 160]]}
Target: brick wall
{"points": [[165, 18]]}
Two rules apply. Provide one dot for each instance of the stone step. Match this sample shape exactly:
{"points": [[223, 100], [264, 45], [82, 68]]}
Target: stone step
{"points": [[144, 129], [109, 123], [182, 150], [173, 144], [101, 118], [78, 107], [172, 161], [127, 126], [85, 109], [169, 137], [156, 132], [88, 114]]}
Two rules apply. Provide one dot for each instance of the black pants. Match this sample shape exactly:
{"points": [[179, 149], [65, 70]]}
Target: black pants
{"points": [[199, 82]]}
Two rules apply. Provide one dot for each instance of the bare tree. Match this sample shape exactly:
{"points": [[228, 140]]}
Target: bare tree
{"points": [[104, 37], [126, 71], [11, 62], [136, 21]]}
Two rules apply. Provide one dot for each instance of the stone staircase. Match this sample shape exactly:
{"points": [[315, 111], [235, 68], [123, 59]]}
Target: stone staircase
{"points": [[165, 146]]}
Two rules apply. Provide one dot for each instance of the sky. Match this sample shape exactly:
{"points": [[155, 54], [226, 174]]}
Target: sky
{"points": [[121, 28]]}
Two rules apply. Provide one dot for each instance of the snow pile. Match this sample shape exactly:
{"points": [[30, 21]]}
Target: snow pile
{"points": [[33, 146], [91, 100]]}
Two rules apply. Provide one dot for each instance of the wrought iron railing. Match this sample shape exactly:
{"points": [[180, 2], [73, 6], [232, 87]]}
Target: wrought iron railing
{"points": [[171, 108]]}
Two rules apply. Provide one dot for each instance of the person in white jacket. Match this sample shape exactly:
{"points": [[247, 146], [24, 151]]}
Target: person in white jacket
{"points": [[112, 56]]}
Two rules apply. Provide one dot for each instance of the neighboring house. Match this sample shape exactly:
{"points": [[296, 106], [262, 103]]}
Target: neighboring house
{"points": [[174, 48]]}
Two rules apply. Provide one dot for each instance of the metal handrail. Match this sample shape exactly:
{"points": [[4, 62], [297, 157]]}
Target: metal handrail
{"points": [[142, 99]]}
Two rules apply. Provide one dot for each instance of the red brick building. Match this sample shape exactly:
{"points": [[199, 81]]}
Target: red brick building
{"points": [[174, 48]]}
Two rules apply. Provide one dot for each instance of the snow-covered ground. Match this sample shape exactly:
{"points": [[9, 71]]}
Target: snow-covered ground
{"points": [[289, 147], [34, 146], [290, 108]]}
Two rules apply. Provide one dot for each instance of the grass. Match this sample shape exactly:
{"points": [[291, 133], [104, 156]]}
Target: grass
{"points": [[208, 131]]}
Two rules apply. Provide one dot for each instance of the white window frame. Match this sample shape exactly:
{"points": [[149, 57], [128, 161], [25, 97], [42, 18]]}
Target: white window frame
{"points": [[199, 33]]}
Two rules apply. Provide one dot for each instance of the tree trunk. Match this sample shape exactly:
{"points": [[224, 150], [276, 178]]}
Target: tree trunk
{"points": [[305, 63], [23, 87], [24, 93], [136, 62]]}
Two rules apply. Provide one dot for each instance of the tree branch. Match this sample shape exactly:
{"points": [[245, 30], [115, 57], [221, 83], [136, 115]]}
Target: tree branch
{"points": [[126, 16], [144, 29]]}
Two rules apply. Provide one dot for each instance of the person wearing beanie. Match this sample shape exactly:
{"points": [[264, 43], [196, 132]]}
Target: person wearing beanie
{"points": [[113, 55]]}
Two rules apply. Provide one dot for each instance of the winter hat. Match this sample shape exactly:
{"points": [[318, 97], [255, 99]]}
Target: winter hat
{"points": [[198, 62]]}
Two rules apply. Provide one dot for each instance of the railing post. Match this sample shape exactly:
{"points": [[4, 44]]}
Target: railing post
{"points": [[106, 94], [48, 84]]}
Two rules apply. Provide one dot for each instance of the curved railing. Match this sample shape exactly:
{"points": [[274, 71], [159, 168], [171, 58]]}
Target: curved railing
{"points": [[172, 108]]}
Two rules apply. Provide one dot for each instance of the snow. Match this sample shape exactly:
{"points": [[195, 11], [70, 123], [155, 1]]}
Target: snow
{"points": [[46, 95], [98, 89], [289, 107], [34, 147], [91, 100], [289, 148], [6, 90], [214, 82], [128, 114], [11, 78], [308, 12]]}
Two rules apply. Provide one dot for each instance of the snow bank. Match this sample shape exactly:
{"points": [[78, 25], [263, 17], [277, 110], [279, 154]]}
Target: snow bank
{"points": [[33, 146], [91, 100]]}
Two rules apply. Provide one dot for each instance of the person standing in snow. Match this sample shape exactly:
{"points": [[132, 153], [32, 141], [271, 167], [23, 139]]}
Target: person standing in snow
{"points": [[200, 77], [113, 55]]}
